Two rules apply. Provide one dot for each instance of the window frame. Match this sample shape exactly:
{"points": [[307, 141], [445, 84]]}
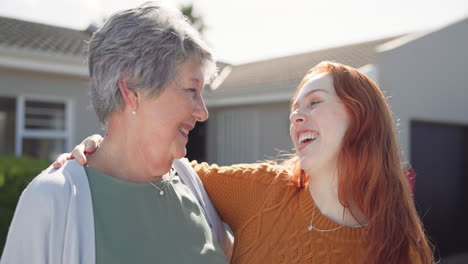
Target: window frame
{"points": [[23, 133]]}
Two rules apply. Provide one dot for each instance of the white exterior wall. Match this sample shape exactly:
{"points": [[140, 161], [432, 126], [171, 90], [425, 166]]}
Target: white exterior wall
{"points": [[427, 79], [15, 82], [249, 133]]}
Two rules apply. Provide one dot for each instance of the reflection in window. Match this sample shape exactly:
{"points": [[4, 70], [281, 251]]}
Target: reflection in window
{"points": [[44, 115]]}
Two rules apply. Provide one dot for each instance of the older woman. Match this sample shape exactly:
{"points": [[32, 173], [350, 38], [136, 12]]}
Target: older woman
{"points": [[342, 198], [147, 67]]}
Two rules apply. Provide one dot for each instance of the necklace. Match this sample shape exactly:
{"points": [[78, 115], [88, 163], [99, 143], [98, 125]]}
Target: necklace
{"points": [[311, 227], [161, 191]]}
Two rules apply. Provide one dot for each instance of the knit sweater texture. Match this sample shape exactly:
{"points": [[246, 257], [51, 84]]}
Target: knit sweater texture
{"points": [[270, 217]]}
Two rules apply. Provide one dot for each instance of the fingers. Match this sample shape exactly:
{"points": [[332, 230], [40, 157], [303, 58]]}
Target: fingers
{"points": [[92, 143], [78, 153], [61, 160], [89, 145]]}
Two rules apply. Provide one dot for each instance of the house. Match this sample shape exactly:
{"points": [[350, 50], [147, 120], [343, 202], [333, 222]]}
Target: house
{"points": [[44, 104], [43, 89], [44, 108], [426, 77], [249, 107]]}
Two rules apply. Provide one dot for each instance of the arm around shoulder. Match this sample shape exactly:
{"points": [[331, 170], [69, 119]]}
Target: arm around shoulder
{"points": [[237, 190]]}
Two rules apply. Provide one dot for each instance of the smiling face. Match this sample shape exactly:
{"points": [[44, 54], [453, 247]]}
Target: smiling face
{"points": [[319, 121], [162, 123]]}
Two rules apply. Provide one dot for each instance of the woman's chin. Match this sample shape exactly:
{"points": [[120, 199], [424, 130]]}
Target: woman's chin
{"points": [[307, 163], [180, 154]]}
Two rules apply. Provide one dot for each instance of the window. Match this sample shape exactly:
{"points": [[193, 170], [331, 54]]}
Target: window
{"points": [[43, 127]]}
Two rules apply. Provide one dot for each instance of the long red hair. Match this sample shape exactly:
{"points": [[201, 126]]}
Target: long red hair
{"points": [[370, 173]]}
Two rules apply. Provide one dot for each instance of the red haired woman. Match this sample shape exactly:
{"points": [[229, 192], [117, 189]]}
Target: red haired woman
{"points": [[342, 198]]}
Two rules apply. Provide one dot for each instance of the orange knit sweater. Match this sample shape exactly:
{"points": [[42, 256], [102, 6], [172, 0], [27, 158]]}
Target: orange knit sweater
{"points": [[270, 217]]}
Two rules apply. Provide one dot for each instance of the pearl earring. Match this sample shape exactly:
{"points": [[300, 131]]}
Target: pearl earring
{"points": [[133, 113]]}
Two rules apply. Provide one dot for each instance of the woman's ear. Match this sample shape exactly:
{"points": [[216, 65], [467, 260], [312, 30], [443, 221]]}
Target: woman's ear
{"points": [[130, 97]]}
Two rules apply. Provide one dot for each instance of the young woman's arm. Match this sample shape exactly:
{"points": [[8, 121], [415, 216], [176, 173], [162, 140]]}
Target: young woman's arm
{"points": [[237, 191]]}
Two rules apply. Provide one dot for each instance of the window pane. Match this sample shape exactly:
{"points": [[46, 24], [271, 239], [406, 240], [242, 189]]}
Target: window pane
{"points": [[7, 125], [43, 148], [44, 115]]}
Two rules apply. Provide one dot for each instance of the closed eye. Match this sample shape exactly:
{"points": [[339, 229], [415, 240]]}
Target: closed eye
{"points": [[314, 103]]}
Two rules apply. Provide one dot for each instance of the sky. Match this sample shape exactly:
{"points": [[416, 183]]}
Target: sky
{"points": [[242, 31]]}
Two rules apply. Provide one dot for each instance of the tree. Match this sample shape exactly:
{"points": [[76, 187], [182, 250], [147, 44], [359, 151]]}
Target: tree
{"points": [[195, 19]]}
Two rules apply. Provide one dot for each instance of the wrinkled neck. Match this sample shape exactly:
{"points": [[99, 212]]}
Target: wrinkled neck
{"points": [[120, 156]]}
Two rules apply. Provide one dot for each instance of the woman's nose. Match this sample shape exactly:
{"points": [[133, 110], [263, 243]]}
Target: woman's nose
{"points": [[296, 118], [201, 113]]}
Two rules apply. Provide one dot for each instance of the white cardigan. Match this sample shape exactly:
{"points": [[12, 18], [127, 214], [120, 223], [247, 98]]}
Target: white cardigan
{"points": [[54, 221]]}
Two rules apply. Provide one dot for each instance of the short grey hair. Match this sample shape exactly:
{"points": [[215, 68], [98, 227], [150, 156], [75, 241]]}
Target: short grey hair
{"points": [[143, 46]]}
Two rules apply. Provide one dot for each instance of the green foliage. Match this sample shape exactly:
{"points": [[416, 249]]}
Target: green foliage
{"points": [[195, 19], [15, 174]]}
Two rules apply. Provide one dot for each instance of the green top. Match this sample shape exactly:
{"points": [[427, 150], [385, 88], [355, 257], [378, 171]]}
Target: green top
{"points": [[135, 224]]}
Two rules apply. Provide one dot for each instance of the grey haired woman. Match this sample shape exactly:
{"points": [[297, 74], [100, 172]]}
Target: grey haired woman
{"points": [[147, 69]]}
